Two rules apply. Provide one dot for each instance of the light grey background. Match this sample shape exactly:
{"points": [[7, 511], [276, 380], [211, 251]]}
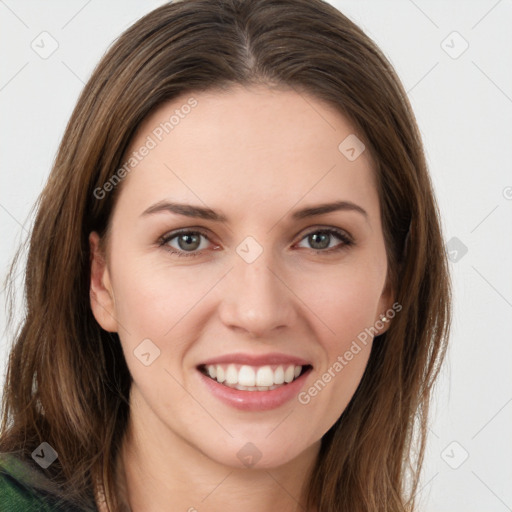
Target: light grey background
{"points": [[463, 103]]}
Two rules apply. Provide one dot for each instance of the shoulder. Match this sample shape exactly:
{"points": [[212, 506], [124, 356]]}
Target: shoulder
{"points": [[24, 488], [16, 495]]}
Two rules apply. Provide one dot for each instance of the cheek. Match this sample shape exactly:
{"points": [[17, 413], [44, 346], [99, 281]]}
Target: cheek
{"points": [[327, 395], [152, 295], [346, 310], [159, 302], [345, 299], [151, 311], [346, 302]]}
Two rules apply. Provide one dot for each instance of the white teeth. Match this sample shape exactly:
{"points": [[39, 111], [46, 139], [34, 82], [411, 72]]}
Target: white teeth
{"points": [[265, 376], [252, 388], [221, 376], [250, 378], [246, 376], [289, 374], [279, 375], [232, 375]]}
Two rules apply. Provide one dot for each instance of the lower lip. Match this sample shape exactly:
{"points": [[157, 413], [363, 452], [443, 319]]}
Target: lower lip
{"points": [[255, 400]]}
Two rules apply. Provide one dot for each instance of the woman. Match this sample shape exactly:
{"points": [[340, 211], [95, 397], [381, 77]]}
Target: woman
{"points": [[237, 292]]}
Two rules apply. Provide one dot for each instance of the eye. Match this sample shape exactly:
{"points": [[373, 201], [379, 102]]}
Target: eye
{"points": [[320, 240], [186, 242]]}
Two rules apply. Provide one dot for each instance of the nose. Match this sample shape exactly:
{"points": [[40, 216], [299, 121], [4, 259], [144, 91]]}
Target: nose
{"points": [[255, 298]]}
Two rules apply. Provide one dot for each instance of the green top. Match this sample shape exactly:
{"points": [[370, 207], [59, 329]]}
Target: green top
{"points": [[24, 487]]}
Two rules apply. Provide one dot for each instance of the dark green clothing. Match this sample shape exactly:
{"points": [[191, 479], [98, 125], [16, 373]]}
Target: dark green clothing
{"points": [[24, 487]]}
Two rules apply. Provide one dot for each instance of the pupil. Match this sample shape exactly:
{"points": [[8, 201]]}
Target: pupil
{"points": [[315, 238], [189, 239]]}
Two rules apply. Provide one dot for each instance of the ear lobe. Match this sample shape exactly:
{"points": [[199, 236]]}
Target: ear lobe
{"points": [[382, 322], [101, 293]]}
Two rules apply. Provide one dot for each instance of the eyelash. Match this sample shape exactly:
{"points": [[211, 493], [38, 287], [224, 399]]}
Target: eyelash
{"points": [[347, 241]]}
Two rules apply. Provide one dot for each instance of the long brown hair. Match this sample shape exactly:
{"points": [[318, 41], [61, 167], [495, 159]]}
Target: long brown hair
{"points": [[67, 381]]}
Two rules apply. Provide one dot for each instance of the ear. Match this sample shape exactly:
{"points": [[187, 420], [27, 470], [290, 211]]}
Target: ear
{"points": [[385, 305], [101, 292]]}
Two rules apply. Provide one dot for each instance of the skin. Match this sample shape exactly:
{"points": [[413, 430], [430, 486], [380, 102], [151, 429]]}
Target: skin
{"points": [[255, 155]]}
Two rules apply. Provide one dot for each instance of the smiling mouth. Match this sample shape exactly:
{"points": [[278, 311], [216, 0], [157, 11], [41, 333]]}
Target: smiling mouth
{"points": [[254, 378]]}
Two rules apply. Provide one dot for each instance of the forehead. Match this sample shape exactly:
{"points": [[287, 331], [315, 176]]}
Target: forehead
{"points": [[251, 147]]}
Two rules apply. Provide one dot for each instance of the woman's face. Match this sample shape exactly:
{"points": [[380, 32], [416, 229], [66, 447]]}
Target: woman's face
{"points": [[263, 282]]}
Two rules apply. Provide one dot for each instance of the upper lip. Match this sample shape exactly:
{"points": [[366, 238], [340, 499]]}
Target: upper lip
{"points": [[256, 360]]}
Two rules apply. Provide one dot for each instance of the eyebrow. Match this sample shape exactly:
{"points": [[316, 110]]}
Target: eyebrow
{"points": [[209, 214]]}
